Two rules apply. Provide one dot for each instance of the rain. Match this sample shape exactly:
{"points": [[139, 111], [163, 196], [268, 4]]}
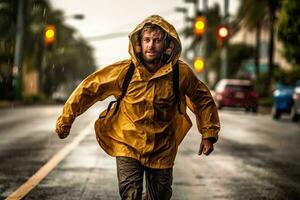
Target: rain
{"points": [[245, 52]]}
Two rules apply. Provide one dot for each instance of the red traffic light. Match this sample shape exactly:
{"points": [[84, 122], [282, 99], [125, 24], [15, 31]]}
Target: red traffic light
{"points": [[223, 32]]}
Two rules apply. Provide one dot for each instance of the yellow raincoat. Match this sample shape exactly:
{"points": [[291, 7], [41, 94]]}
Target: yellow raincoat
{"points": [[148, 125]]}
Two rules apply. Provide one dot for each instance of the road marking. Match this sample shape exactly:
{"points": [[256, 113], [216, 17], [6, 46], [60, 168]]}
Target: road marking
{"points": [[34, 180]]}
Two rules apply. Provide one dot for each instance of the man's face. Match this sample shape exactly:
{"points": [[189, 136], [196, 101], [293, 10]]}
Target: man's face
{"points": [[152, 45]]}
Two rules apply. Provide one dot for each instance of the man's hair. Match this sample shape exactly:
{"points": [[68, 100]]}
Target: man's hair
{"points": [[152, 27]]}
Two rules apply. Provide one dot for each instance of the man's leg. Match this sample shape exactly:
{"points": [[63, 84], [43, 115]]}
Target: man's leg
{"points": [[159, 184], [130, 175]]}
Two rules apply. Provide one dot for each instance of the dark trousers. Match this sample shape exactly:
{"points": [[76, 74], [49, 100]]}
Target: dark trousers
{"points": [[130, 176]]}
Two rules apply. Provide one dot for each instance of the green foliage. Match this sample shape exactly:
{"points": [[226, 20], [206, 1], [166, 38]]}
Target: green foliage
{"points": [[287, 77], [288, 30], [36, 98], [259, 84], [265, 101], [70, 58], [238, 53], [252, 13], [213, 19]]}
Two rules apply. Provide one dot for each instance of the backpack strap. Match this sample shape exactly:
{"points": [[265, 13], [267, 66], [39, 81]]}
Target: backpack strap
{"points": [[127, 79], [176, 85], [125, 85]]}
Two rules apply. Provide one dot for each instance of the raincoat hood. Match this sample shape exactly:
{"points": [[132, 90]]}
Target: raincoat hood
{"points": [[173, 49]]}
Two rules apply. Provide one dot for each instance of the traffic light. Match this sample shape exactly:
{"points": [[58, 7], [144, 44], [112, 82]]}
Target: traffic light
{"points": [[199, 26], [199, 65], [49, 35], [222, 34]]}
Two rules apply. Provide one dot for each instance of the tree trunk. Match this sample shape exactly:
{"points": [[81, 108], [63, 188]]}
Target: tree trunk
{"points": [[271, 53], [39, 65], [257, 50]]}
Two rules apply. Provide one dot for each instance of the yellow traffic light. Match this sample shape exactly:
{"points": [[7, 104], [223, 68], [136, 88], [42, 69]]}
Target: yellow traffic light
{"points": [[50, 33], [199, 65], [199, 26]]}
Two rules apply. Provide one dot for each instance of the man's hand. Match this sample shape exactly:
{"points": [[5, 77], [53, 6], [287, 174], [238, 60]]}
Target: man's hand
{"points": [[63, 135], [206, 147], [63, 131]]}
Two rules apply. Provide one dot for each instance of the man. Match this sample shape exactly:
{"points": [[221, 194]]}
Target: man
{"points": [[143, 132]]}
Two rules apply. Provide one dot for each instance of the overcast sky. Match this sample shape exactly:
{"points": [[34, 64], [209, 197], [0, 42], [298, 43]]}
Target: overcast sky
{"points": [[110, 16]]}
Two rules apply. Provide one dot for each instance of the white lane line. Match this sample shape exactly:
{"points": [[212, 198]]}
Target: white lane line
{"points": [[34, 180]]}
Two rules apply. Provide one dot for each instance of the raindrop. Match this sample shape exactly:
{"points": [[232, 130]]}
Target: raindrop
{"points": [[53, 66], [44, 12], [63, 69]]}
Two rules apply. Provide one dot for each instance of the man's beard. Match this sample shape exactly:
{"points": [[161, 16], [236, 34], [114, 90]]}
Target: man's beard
{"points": [[155, 60], [158, 59]]}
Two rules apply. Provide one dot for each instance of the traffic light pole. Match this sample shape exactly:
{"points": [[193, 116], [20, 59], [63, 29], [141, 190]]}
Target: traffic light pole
{"points": [[18, 54], [224, 51], [224, 62], [197, 49], [205, 42]]}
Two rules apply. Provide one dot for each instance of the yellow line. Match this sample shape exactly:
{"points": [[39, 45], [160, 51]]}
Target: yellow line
{"points": [[48, 167]]}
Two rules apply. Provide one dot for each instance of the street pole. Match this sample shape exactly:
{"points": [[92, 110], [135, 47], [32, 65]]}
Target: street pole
{"points": [[196, 4], [224, 53], [196, 7], [197, 49], [18, 54], [205, 42]]}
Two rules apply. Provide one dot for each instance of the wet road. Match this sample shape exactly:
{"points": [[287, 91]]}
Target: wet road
{"points": [[255, 158]]}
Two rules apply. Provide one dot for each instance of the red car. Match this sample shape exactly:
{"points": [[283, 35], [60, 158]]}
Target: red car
{"points": [[236, 93]]}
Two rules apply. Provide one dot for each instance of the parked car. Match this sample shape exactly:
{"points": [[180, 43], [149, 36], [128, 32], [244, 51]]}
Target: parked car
{"points": [[283, 100], [295, 110], [236, 93]]}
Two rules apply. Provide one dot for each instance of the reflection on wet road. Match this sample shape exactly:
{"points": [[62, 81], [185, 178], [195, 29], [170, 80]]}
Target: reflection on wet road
{"points": [[255, 158]]}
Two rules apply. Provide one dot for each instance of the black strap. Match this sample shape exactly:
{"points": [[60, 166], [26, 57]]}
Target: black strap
{"points": [[125, 85], [176, 85], [127, 80]]}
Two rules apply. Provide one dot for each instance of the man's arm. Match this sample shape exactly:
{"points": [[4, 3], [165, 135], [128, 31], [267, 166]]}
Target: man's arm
{"points": [[97, 86], [201, 103]]}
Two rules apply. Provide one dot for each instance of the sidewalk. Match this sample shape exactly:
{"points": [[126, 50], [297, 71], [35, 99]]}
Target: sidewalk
{"points": [[8, 104], [264, 110], [13, 104]]}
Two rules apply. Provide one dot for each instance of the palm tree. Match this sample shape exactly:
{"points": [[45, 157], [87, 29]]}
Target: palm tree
{"points": [[38, 13], [33, 21], [254, 15], [251, 14]]}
